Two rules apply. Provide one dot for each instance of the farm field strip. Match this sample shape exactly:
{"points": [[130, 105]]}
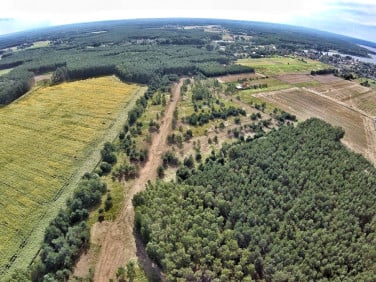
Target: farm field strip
{"points": [[37, 177], [41, 143], [47, 137], [56, 125], [296, 78], [366, 102], [354, 96]]}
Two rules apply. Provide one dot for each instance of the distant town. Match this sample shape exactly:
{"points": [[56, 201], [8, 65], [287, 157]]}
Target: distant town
{"points": [[346, 65]]}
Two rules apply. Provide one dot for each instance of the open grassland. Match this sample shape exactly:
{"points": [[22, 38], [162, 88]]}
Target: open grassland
{"points": [[2, 72], [305, 104], [49, 138], [40, 44], [272, 85], [36, 44], [282, 65]]}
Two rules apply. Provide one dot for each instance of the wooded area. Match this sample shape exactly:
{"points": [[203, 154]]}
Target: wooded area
{"points": [[292, 206]]}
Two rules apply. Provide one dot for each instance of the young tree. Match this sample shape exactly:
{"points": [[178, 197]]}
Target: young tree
{"points": [[160, 171]]}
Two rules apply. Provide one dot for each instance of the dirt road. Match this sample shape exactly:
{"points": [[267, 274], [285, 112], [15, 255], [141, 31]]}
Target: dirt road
{"points": [[119, 243]]}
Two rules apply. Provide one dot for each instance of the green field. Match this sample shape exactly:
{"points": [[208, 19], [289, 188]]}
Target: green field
{"points": [[282, 65], [2, 72], [40, 44], [49, 138]]}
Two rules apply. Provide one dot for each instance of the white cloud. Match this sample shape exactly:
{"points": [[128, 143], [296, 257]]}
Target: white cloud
{"points": [[70, 11], [302, 12]]}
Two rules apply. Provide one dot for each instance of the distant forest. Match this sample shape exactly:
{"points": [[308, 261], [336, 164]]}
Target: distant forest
{"points": [[294, 205], [142, 51]]}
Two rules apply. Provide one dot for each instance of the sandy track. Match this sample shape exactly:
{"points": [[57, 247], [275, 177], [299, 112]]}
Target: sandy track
{"points": [[119, 243], [370, 128]]}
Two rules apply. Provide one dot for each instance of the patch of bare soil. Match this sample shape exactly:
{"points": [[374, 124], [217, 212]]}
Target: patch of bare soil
{"points": [[370, 128], [236, 77], [329, 78], [88, 259], [119, 244], [295, 78], [38, 78]]}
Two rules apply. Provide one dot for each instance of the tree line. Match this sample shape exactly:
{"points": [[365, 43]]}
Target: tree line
{"points": [[68, 235]]}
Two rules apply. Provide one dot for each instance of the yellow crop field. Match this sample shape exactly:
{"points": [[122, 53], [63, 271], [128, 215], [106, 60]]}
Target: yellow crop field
{"points": [[49, 138]]}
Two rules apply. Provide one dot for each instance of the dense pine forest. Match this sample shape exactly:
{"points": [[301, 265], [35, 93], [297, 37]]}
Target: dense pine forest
{"points": [[294, 205]]}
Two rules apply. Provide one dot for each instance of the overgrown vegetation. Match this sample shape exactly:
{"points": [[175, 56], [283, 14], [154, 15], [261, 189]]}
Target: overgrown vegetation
{"points": [[68, 235], [14, 84], [293, 206]]}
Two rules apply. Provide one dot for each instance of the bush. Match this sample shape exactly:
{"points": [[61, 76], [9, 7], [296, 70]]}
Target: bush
{"points": [[105, 167], [108, 203], [160, 171]]}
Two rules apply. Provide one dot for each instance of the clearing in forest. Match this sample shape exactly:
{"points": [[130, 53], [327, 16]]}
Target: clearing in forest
{"points": [[49, 138]]}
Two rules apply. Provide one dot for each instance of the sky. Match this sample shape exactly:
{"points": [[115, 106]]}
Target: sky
{"points": [[355, 18]]}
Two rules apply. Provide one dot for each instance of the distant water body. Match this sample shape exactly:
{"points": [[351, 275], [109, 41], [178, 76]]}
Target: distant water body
{"points": [[367, 60], [362, 59]]}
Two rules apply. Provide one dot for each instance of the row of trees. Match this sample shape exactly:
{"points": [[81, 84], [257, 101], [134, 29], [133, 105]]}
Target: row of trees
{"points": [[67, 235], [15, 84], [211, 70], [295, 205], [221, 113], [324, 71]]}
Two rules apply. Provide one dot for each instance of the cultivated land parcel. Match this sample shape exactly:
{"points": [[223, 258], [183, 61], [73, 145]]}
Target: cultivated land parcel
{"points": [[49, 138]]}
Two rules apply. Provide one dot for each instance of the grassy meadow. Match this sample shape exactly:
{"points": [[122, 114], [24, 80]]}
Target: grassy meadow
{"points": [[281, 65], [5, 71], [49, 138]]}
